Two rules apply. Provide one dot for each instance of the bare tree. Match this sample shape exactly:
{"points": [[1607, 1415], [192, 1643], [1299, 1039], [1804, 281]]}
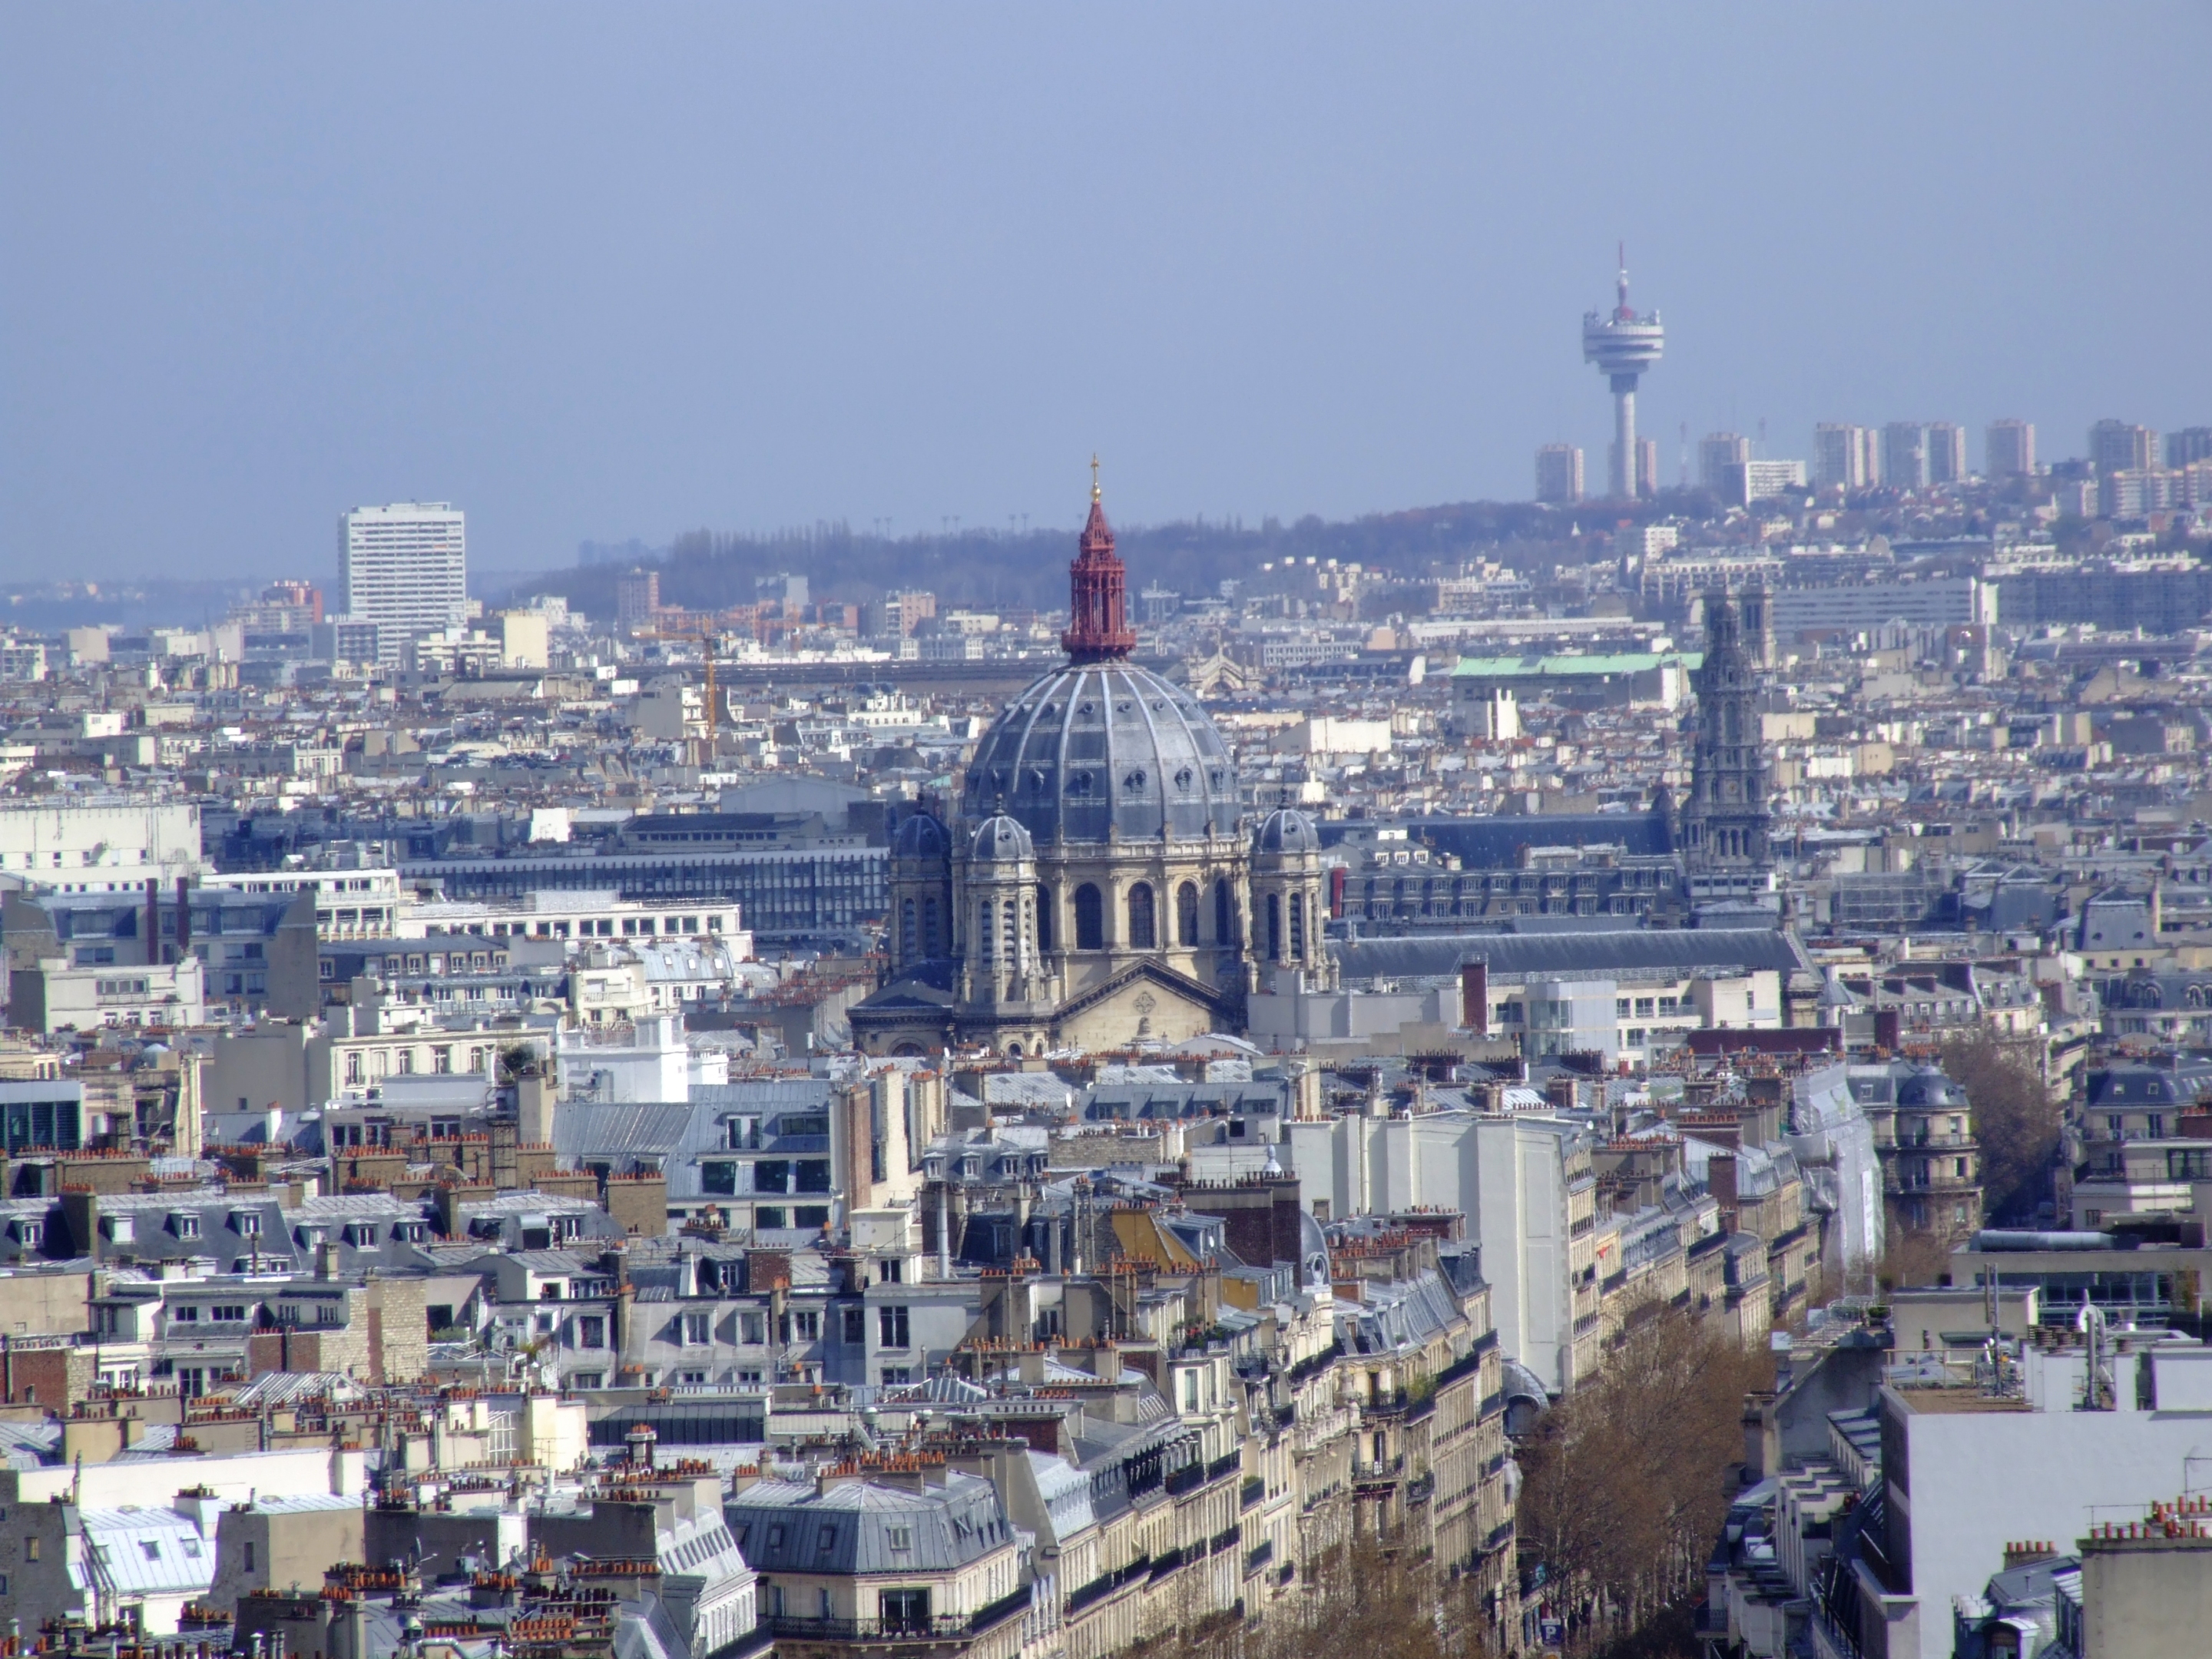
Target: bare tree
{"points": [[2015, 1120], [1627, 1480], [1912, 1256], [1366, 1600]]}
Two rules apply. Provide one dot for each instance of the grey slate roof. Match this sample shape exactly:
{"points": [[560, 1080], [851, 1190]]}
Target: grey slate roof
{"points": [[1494, 841], [852, 1528], [1595, 953]]}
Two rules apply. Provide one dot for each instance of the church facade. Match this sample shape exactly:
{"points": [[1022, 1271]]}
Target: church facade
{"points": [[1100, 885]]}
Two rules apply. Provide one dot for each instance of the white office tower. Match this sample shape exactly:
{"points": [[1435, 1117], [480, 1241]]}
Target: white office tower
{"points": [[404, 567]]}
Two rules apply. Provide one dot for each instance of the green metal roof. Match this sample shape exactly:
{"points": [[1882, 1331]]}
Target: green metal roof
{"points": [[1570, 665]]}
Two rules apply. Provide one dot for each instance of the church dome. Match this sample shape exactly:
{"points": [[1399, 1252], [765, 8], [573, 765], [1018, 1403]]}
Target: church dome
{"points": [[1103, 750], [1286, 830], [920, 836], [1106, 746], [1001, 840]]}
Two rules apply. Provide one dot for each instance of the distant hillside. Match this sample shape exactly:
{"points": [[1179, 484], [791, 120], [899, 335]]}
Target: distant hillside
{"points": [[987, 569]]}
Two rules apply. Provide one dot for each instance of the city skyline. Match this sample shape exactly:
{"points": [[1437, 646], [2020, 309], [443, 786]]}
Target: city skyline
{"points": [[1326, 280]]}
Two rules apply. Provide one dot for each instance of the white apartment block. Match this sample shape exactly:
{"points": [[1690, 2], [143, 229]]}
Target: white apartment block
{"points": [[349, 904], [1524, 1183], [404, 567], [97, 846], [581, 913]]}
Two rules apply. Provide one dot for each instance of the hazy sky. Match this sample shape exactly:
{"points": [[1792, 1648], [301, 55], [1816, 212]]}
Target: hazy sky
{"points": [[614, 270]]}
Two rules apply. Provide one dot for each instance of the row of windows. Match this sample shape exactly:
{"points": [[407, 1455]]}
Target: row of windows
{"points": [[770, 1175], [362, 1065], [920, 934]]}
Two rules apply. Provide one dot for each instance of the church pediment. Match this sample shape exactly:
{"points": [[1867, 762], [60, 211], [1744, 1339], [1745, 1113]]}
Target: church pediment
{"points": [[1146, 1000]]}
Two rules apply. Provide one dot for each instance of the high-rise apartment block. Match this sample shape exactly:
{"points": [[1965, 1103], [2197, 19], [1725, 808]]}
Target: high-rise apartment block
{"points": [[404, 567], [1947, 452], [1845, 457], [1559, 473], [2191, 443], [1647, 467], [637, 596], [2010, 449], [1716, 452], [1905, 455], [2117, 446]]}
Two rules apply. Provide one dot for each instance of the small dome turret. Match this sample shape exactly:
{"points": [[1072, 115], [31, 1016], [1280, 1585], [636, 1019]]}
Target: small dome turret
{"points": [[920, 836], [1001, 838], [1286, 830]]}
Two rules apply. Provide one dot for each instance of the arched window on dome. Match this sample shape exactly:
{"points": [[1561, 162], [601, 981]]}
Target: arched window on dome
{"points": [[1144, 931], [1274, 926], [1186, 914], [1089, 919], [1043, 918], [932, 945], [1298, 928], [910, 932], [1224, 913]]}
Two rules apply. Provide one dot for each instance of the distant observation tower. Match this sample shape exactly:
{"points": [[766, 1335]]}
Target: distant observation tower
{"points": [[1623, 345]]}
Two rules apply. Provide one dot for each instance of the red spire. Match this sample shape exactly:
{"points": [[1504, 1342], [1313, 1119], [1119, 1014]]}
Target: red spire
{"points": [[1097, 613]]}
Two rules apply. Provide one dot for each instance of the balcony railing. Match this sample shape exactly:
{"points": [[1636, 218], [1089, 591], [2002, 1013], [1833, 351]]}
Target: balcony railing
{"points": [[937, 1628], [1107, 1583], [1378, 1472]]}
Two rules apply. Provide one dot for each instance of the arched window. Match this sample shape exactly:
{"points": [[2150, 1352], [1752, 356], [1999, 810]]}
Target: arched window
{"points": [[1143, 933], [986, 934], [1274, 926], [1013, 1051], [1010, 930], [1089, 919], [1224, 913], [1186, 914], [1298, 928], [1044, 917], [910, 932]]}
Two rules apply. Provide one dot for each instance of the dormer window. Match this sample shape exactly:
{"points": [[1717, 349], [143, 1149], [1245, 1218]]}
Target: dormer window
{"points": [[29, 1233], [247, 1224]]}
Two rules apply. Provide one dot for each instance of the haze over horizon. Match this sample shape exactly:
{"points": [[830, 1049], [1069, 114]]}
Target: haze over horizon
{"points": [[592, 273]]}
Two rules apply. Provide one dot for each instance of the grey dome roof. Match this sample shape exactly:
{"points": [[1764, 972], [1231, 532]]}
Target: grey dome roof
{"points": [[920, 836], [1286, 830], [1105, 745], [1930, 1087], [1000, 839]]}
